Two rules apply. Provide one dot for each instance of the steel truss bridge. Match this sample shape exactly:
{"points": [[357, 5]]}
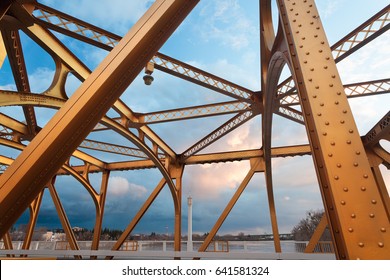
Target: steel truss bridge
{"points": [[354, 194]]}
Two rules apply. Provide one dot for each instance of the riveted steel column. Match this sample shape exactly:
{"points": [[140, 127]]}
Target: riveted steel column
{"points": [[356, 213], [24, 179]]}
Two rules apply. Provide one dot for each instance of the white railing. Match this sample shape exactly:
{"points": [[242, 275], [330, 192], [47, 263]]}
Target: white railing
{"points": [[161, 250]]}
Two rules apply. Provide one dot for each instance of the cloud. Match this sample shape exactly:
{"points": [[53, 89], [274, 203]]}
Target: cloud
{"points": [[120, 187], [225, 22]]}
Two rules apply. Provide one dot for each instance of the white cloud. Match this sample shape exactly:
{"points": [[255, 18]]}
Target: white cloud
{"points": [[226, 22], [120, 187]]}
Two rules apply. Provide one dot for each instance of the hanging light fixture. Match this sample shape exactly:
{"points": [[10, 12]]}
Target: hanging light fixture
{"points": [[148, 78]]}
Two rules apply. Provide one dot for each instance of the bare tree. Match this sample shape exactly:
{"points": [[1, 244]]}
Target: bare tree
{"points": [[306, 227]]}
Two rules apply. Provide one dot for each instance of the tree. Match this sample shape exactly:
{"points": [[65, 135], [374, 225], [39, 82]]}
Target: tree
{"points": [[306, 227]]}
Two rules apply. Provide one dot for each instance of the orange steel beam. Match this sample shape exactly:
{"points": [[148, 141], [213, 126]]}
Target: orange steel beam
{"points": [[141, 212], [100, 211], [352, 202], [34, 211], [25, 178], [256, 167], [16, 58], [317, 235]]}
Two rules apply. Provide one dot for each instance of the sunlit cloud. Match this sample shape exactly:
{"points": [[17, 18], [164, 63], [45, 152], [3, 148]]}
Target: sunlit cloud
{"points": [[120, 186]]}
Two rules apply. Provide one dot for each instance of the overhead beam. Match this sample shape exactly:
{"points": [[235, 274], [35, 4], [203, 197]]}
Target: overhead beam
{"points": [[39, 162]]}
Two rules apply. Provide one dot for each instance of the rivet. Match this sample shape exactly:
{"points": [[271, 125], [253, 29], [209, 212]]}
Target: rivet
{"points": [[315, 36], [358, 153], [311, 69], [353, 216], [342, 202], [321, 166], [351, 131], [294, 20], [322, 104], [380, 244], [365, 176], [324, 133], [330, 85], [333, 143], [383, 229], [325, 67], [303, 38], [372, 215], [345, 189], [336, 177], [326, 186], [373, 201], [330, 154], [322, 42], [297, 14], [310, 80], [307, 53], [308, 12], [350, 229], [355, 164], [314, 96], [342, 121], [339, 165], [297, 32], [305, 62], [349, 142], [336, 102], [320, 51], [334, 76], [317, 27], [361, 244], [312, 23], [363, 189], [300, 25], [317, 87], [326, 123], [345, 111], [327, 58]]}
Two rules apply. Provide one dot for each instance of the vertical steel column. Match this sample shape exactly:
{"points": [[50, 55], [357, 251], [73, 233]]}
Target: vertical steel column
{"points": [[355, 211], [46, 153], [100, 210]]}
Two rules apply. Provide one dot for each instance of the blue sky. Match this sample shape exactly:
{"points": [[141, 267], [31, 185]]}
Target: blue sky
{"points": [[221, 37]]}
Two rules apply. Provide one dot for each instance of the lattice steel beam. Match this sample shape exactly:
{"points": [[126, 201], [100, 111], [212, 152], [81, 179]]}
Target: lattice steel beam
{"points": [[365, 33], [190, 73], [194, 112], [362, 35], [111, 148], [291, 98], [218, 133], [380, 131]]}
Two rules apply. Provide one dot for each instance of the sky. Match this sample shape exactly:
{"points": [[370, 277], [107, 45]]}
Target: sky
{"points": [[221, 37]]}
